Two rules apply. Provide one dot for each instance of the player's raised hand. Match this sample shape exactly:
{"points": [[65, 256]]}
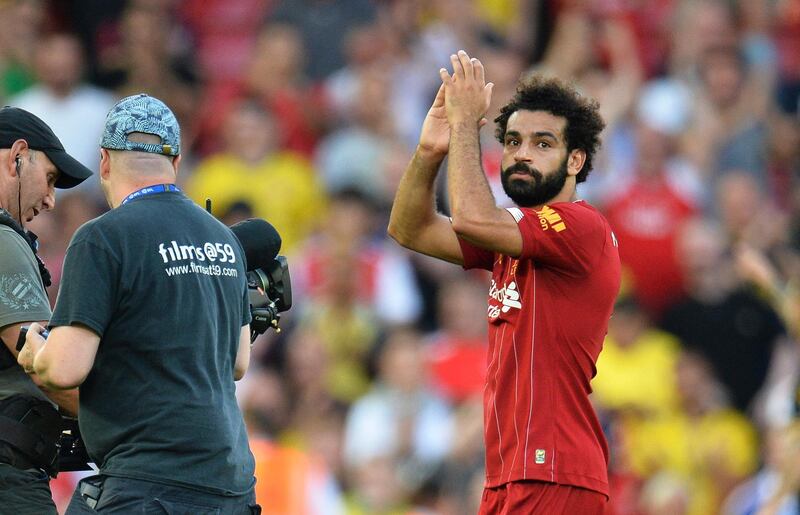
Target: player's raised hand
{"points": [[467, 95], [435, 135]]}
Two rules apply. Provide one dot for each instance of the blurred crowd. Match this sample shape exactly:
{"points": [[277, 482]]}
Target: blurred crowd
{"points": [[305, 113]]}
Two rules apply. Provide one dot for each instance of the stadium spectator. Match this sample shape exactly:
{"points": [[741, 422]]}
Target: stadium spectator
{"points": [[67, 103], [21, 25], [144, 52], [273, 77], [747, 215], [647, 202], [456, 353], [323, 25], [277, 185], [773, 489], [224, 32], [350, 157], [734, 329], [381, 274], [346, 323], [312, 404], [706, 444], [636, 370], [399, 419], [288, 480], [730, 129], [364, 47]]}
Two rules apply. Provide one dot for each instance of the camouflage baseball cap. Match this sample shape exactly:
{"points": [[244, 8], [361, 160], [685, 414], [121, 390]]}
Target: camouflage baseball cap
{"points": [[145, 114]]}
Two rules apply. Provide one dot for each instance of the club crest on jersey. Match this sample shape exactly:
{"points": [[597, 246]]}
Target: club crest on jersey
{"points": [[550, 219], [508, 297]]}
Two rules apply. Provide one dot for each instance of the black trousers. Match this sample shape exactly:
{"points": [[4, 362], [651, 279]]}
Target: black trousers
{"points": [[114, 495], [25, 492]]}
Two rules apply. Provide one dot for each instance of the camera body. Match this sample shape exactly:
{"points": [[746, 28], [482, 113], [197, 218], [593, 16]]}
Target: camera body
{"points": [[270, 293]]}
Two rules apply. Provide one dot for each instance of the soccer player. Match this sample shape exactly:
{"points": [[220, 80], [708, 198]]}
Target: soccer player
{"points": [[555, 275]]}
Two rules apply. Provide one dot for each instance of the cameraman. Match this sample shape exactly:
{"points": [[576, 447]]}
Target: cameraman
{"points": [[152, 321], [32, 163]]}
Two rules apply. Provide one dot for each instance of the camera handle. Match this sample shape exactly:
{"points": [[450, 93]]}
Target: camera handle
{"points": [[263, 318]]}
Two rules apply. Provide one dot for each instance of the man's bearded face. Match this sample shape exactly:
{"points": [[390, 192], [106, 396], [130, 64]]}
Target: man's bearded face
{"points": [[529, 187]]}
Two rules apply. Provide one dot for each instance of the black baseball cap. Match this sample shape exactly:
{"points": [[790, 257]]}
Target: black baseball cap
{"points": [[16, 123]]}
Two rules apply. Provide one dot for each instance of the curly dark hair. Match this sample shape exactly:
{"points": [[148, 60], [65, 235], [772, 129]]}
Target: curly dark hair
{"points": [[584, 123]]}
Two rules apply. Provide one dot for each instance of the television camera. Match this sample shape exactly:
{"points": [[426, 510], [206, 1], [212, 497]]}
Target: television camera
{"points": [[268, 281]]}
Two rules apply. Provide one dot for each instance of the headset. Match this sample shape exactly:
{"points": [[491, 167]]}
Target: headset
{"points": [[18, 162]]}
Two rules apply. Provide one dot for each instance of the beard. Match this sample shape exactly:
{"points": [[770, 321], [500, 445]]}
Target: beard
{"points": [[527, 193]]}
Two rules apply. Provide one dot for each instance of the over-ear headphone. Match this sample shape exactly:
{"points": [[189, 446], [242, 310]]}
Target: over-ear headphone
{"points": [[18, 160]]}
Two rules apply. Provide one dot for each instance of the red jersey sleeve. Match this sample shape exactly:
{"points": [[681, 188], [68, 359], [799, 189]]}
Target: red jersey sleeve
{"points": [[476, 257], [568, 235]]}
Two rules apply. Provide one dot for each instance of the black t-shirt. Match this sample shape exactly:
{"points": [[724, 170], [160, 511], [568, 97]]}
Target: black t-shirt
{"points": [[163, 284], [737, 335]]}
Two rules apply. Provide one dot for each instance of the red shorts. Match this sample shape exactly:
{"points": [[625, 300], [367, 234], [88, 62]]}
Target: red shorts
{"points": [[541, 498]]}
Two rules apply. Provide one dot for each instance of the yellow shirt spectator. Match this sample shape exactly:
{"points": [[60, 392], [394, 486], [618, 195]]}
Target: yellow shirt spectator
{"points": [[711, 453], [711, 446], [499, 13], [639, 377], [282, 188]]}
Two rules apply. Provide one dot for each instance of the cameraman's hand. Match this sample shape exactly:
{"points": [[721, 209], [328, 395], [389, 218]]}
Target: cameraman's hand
{"points": [[33, 342]]}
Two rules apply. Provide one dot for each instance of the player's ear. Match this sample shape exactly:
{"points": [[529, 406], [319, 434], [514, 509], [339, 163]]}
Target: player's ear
{"points": [[575, 161]]}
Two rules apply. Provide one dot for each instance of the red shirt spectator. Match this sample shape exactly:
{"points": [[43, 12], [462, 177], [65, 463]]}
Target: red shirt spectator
{"points": [[646, 217]]}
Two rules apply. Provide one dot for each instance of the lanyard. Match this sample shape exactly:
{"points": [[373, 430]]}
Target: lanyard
{"points": [[149, 190]]}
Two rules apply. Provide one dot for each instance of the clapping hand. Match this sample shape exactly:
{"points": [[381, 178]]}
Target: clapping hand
{"points": [[467, 95], [435, 135]]}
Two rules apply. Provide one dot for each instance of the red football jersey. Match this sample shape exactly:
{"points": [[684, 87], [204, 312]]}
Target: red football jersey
{"points": [[548, 315]]}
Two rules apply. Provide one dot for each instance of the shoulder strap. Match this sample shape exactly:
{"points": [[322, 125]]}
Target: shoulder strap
{"points": [[31, 239], [32, 427]]}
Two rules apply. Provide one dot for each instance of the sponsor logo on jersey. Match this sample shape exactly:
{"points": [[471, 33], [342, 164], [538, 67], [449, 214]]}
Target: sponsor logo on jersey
{"points": [[550, 219], [508, 297]]}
